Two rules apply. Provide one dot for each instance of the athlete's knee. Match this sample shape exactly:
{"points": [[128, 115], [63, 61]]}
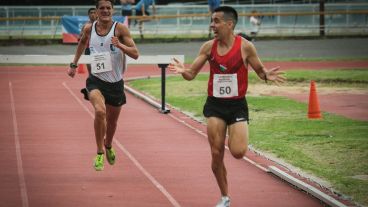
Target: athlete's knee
{"points": [[239, 152], [100, 113], [217, 154]]}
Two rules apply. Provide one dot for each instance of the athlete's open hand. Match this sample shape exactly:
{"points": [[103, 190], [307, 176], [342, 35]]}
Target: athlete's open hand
{"points": [[176, 66], [275, 75]]}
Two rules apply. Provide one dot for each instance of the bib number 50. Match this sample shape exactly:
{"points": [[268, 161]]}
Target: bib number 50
{"points": [[225, 85], [225, 90]]}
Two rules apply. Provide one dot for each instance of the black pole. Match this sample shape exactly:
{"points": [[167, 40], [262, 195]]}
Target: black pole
{"points": [[163, 86], [321, 18]]}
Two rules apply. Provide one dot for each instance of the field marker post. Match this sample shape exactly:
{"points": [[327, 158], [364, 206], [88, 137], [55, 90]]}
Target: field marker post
{"points": [[163, 67]]}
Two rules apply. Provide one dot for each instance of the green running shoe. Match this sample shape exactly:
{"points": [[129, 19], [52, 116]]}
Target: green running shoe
{"points": [[110, 155], [99, 162]]}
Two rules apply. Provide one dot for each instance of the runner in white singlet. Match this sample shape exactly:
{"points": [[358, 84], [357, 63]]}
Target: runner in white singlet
{"points": [[109, 42]]}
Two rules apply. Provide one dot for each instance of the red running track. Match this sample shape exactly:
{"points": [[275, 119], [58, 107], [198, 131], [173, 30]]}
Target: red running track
{"points": [[47, 146]]}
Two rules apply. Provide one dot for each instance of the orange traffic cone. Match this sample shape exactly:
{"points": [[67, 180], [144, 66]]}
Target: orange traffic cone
{"points": [[81, 68], [313, 109]]}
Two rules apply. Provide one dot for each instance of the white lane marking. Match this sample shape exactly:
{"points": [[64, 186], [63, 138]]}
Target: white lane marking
{"points": [[131, 157], [78, 100], [148, 175], [22, 182]]}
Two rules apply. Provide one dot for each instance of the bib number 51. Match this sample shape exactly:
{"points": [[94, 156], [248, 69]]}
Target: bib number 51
{"points": [[101, 62], [100, 66]]}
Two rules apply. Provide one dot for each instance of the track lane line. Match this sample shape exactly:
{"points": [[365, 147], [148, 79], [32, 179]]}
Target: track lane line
{"points": [[130, 156], [22, 182]]}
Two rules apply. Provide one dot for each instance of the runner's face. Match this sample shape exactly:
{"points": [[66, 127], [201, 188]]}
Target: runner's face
{"points": [[219, 25], [92, 15], [104, 11]]}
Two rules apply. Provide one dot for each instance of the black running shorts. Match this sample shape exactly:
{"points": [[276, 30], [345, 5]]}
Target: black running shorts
{"points": [[113, 92], [229, 110]]}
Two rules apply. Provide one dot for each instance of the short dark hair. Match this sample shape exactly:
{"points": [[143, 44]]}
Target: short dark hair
{"points": [[91, 9], [229, 13], [98, 1]]}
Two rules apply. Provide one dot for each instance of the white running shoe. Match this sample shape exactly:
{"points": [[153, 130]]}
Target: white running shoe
{"points": [[224, 202]]}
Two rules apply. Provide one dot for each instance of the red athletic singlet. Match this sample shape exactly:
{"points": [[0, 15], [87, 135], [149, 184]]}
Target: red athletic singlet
{"points": [[228, 74]]}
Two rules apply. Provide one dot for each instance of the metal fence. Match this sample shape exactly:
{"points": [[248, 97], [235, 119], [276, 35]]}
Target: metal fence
{"points": [[278, 20]]}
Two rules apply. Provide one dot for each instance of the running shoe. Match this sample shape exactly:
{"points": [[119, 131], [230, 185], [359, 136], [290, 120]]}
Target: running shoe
{"points": [[99, 162], [85, 92], [224, 202], [110, 155]]}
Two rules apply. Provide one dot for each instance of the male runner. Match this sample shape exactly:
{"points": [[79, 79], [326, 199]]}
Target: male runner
{"points": [[109, 42], [226, 108]]}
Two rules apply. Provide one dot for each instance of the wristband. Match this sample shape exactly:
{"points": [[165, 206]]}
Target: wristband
{"points": [[73, 66]]}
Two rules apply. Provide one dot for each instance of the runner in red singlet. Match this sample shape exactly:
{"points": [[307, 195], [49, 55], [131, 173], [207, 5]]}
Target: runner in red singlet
{"points": [[226, 107]]}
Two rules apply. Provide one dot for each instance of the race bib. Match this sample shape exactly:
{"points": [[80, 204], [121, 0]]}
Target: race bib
{"points": [[101, 62], [225, 85]]}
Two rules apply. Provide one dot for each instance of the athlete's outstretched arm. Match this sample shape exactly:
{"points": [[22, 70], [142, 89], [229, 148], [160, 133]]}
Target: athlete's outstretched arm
{"points": [[191, 72], [124, 41]]}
